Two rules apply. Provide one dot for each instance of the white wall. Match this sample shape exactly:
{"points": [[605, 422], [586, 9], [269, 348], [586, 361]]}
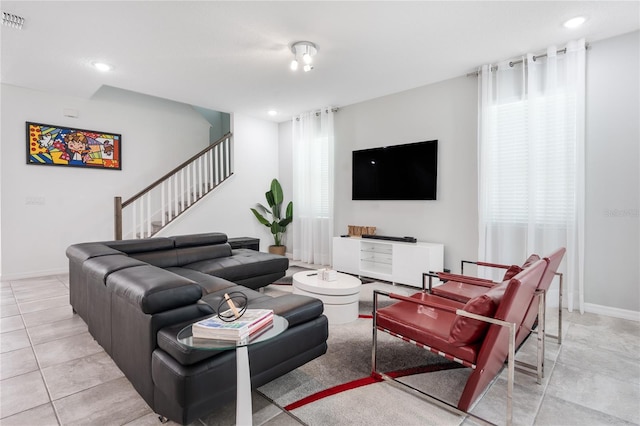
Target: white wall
{"points": [[255, 154], [285, 174], [157, 135], [445, 111], [612, 264]]}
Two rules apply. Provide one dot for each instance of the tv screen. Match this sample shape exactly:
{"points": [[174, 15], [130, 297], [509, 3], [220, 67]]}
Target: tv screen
{"points": [[398, 172]]}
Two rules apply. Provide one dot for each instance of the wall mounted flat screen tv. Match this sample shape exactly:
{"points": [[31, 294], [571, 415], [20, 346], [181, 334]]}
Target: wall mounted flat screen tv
{"points": [[398, 172]]}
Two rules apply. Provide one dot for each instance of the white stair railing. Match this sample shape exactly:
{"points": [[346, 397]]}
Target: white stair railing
{"points": [[160, 203]]}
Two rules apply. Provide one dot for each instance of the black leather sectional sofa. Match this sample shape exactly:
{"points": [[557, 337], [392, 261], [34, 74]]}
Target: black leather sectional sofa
{"points": [[136, 295]]}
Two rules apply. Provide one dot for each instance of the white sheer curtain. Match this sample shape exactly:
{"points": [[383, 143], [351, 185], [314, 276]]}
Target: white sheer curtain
{"points": [[313, 139], [531, 161]]}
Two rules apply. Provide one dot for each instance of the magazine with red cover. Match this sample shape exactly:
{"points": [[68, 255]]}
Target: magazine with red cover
{"points": [[216, 328]]}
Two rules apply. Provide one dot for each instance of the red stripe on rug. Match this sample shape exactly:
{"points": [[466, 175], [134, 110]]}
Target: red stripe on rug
{"points": [[332, 391], [368, 381], [365, 316]]}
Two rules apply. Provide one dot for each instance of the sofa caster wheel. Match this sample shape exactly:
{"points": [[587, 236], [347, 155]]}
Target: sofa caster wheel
{"points": [[163, 419]]}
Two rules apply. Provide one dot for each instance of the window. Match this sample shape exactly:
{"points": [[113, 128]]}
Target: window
{"points": [[531, 161]]}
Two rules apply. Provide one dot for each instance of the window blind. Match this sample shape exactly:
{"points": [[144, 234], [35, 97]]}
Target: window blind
{"points": [[531, 161]]}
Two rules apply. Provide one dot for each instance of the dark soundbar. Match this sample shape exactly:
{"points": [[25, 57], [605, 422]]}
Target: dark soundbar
{"points": [[382, 237]]}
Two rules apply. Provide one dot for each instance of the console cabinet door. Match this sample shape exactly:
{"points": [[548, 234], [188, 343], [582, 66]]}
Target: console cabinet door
{"points": [[411, 260], [346, 255], [408, 263]]}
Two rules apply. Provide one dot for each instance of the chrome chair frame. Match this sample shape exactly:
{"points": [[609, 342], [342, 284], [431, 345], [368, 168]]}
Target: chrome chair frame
{"points": [[512, 327]]}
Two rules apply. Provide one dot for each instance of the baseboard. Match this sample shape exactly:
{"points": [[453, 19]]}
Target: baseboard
{"points": [[33, 274], [612, 312]]}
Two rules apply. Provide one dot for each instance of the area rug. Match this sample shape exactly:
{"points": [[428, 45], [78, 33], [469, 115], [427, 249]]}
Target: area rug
{"points": [[288, 278], [338, 389]]}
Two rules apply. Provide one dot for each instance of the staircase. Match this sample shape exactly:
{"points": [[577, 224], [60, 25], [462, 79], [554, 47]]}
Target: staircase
{"points": [[162, 202]]}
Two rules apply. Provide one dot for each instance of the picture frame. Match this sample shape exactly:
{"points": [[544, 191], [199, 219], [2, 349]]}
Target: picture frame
{"points": [[53, 145]]}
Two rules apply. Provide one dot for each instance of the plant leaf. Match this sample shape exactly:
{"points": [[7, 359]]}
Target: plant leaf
{"points": [[289, 211], [284, 222], [270, 198], [263, 209], [261, 218], [276, 190]]}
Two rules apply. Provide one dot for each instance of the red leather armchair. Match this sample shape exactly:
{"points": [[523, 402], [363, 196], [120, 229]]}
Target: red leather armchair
{"points": [[479, 334], [464, 287]]}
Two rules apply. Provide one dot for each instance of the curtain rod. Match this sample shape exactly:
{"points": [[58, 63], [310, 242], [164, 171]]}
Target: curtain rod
{"points": [[519, 61], [335, 109], [318, 112]]}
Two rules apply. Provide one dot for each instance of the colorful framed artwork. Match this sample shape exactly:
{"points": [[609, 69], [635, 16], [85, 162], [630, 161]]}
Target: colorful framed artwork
{"points": [[65, 146]]}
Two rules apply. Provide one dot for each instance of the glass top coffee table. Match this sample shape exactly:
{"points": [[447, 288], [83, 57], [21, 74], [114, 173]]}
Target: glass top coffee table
{"points": [[244, 410]]}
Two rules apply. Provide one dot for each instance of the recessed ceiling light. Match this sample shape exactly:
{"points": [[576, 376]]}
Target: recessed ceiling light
{"points": [[575, 22], [101, 66], [272, 112]]}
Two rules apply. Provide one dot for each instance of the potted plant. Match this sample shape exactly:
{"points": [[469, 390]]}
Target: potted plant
{"points": [[277, 224]]}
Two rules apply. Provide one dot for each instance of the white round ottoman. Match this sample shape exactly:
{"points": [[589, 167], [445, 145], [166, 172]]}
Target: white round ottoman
{"points": [[340, 297]]}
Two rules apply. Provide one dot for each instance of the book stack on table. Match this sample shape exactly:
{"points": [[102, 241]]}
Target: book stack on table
{"points": [[251, 323]]}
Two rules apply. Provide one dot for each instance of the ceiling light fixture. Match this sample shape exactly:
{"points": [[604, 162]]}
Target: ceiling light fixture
{"points": [[101, 66], [575, 22], [272, 112], [303, 51]]}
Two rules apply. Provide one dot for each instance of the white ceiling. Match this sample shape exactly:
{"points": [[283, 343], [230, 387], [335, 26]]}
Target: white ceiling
{"points": [[234, 56]]}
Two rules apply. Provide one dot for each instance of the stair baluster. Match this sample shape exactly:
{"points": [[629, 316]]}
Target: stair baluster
{"points": [[166, 199]]}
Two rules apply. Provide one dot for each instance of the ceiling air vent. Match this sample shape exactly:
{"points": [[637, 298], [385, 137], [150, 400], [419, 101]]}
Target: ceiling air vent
{"points": [[13, 21]]}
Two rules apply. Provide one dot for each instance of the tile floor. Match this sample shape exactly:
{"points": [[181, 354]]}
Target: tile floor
{"points": [[52, 372]]}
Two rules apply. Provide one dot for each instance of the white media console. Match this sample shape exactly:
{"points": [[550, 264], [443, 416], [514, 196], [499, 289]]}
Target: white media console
{"points": [[394, 261]]}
